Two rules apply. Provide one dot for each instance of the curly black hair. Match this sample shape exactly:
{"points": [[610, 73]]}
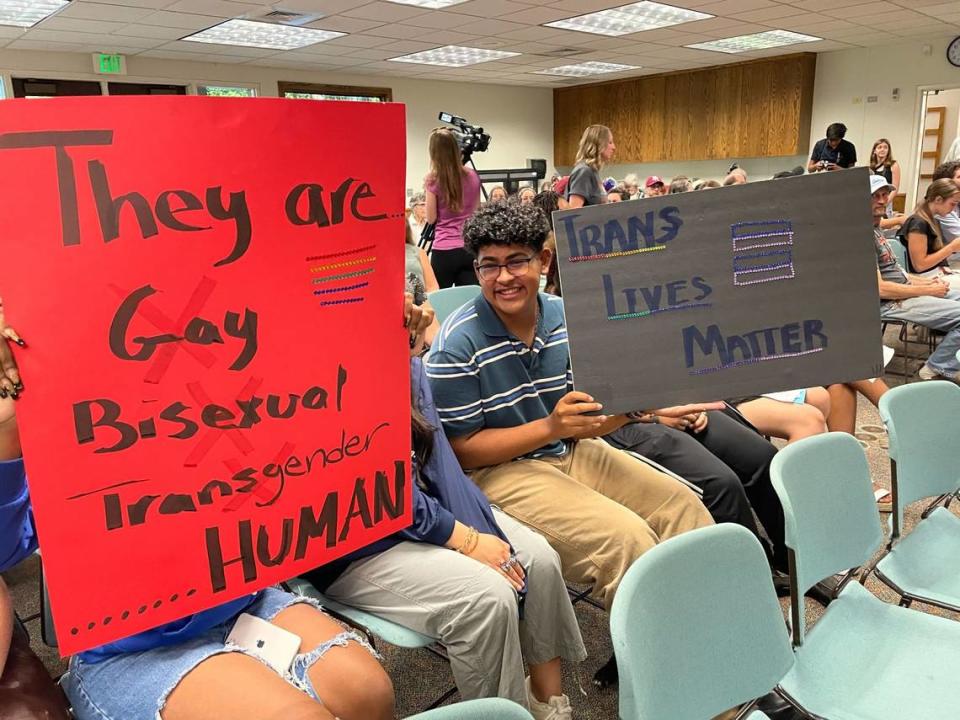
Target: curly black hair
{"points": [[501, 224], [946, 170]]}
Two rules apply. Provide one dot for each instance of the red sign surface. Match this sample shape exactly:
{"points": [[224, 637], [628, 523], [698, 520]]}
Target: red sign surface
{"points": [[217, 380]]}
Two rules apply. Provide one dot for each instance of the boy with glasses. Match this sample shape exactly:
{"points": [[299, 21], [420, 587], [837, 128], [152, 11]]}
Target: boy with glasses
{"points": [[500, 374]]}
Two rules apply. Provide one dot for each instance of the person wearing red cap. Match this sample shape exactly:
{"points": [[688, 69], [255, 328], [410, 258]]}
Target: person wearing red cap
{"points": [[654, 187]]}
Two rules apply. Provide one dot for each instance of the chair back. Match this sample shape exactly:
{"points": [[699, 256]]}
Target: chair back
{"points": [[832, 521], [484, 709], [899, 251], [445, 301], [697, 628], [920, 421]]}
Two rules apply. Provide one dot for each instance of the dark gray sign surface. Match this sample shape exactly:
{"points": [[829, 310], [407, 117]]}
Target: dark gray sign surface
{"points": [[722, 293]]}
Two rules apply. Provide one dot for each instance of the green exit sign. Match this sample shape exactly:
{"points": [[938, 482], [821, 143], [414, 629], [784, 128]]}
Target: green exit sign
{"points": [[109, 64]]}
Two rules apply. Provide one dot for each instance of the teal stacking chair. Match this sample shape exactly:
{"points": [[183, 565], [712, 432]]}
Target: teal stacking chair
{"points": [[445, 301], [864, 659], [486, 709], [925, 565], [697, 628], [372, 626]]}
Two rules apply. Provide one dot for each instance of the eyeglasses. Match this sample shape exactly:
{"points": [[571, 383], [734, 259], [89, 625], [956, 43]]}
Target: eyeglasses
{"points": [[516, 267]]}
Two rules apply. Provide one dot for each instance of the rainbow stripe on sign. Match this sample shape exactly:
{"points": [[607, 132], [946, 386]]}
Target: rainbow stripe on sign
{"points": [[646, 313], [342, 263], [773, 239], [753, 361]]}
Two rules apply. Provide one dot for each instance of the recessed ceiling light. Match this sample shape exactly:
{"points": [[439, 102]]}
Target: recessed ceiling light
{"points": [[454, 56], [27, 13], [432, 4], [262, 35], [757, 41], [644, 15], [587, 68]]}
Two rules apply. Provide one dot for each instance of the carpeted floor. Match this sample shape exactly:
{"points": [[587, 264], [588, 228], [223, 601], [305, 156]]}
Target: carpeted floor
{"points": [[420, 677]]}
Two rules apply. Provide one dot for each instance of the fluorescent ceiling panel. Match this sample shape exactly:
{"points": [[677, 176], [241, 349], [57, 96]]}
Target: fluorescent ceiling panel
{"points": [[27, 13], [587, 68], [645, 15], [431, 4], [757, 41], [249, 33], [454, 56]]}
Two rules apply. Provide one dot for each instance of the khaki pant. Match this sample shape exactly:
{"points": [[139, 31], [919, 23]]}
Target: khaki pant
{"points": [[598, 507]]}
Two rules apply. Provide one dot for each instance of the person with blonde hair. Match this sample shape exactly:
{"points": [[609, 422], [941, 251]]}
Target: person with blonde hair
{"points": [[882, 163], [922, 236], [596, 149], [453, 193]]}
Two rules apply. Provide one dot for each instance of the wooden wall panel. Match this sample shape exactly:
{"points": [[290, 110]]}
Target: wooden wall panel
{"points": [[760, 108]]}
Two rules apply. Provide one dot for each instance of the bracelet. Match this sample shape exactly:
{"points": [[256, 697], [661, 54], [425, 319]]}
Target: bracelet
{"points": [[472, 537]]}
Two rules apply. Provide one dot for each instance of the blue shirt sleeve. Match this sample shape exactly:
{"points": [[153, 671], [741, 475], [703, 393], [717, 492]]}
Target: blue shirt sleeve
{"points": [[455, 384], [18, 539], [432, 523]]}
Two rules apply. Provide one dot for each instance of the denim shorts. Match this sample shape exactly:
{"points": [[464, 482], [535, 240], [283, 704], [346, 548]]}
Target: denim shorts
{"points": [[135, 686]]}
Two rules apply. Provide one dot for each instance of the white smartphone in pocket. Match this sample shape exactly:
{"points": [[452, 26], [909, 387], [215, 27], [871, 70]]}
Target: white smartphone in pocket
{"points": [[274, 645]]}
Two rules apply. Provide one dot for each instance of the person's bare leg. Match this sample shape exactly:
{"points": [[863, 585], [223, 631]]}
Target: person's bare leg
{"points": [[239, 687], [872, 390], [546, 680], [820, 399], [843, 408], [349, 680], [788, 421]]}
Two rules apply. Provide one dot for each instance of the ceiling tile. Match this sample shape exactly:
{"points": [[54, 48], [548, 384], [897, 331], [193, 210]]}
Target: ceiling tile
{"points": [[342, 23], [861, 11], [537, 15], [219, 8], [490, 8], [101, 27], [385, 12], [488, 27], [439, 20], [729, 7], [181, 20], [103, 11], [151, 31], [401, 47], [42, 46], [358, 40], [820, 5], [327, 7], [766, 14]]}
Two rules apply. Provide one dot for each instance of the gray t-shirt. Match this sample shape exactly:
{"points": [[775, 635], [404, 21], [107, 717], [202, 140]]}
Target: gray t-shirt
{"points": [[585, 182], [950, 225], [887, 262]]}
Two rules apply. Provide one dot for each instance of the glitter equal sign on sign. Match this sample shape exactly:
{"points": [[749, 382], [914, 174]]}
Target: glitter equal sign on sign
{"points": [[762, 251], [339, 278]]}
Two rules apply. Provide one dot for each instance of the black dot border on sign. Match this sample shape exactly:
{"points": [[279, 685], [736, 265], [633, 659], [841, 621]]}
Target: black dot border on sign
{"points": [[125, 615]]}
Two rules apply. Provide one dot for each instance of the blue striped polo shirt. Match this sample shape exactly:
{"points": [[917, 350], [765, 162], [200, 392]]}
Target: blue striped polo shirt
{"points": [[482, 377]]}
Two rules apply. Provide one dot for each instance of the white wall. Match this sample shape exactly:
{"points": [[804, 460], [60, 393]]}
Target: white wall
{"points": [[520, 119], [846, 79]]}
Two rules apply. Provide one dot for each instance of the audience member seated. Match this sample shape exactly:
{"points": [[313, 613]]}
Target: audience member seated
{"points": [[654, 187], [921, 234], [453, 193], [468, 599], [882, 163], [595, 150], [949, 223], [793, 172], [526, 195], [497, 194], [706, 185], [418, 215], [500, 374], [631, 184], [680, 184], [617, 196], [833, 152], [926, 301], [420, 279], [735, 178]]}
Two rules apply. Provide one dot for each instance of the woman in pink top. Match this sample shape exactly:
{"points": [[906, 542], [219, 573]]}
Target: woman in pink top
{"points": [[453, 193]]}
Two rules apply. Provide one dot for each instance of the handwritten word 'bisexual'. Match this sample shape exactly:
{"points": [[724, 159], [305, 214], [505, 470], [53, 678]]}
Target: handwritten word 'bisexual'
{"points": [[788, 340], [652, 297], [171, 207], [641, 231], [177, 419]]}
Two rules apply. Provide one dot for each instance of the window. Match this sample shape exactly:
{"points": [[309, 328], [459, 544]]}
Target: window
{"points": [[33, 88], [125, 88], [225, 91], [310, 91]]}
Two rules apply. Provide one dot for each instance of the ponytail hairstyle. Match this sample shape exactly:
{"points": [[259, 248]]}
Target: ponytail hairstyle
{"points": [[446, 167], [939, 190], [593, 142]]}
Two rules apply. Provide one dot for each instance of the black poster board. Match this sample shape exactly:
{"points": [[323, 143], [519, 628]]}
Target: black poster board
{"points": [[722, 293]]}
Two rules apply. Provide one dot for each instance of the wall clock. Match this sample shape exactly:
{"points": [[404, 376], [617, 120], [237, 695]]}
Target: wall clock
{"points": [[953, 52]]}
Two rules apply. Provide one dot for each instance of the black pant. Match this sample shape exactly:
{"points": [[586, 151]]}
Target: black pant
{"points": [[453, 267], [728, 461]]}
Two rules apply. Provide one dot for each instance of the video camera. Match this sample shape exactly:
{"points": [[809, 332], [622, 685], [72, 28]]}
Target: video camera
{"points": [[470, 139]]}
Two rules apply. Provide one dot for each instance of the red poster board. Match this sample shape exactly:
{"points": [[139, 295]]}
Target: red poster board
{"points": [[217, 380]]}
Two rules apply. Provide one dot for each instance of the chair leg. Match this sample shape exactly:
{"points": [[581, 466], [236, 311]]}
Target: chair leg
{"points": [[442, 699]]}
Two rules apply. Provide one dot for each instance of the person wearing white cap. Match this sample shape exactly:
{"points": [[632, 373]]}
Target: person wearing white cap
{"points": [[926, 301]]}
